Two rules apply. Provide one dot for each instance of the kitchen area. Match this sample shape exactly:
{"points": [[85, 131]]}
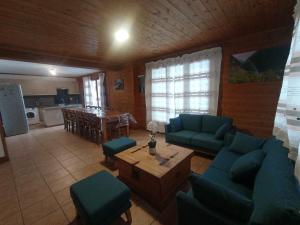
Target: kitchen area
{"points": [[44, 97], [32, 96]]}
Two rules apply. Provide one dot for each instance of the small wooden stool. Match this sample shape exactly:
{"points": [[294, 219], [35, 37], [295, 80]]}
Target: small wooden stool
{"points": [[101, 199]]}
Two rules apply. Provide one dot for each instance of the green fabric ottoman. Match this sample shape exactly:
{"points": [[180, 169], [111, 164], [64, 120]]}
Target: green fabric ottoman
{"points": [[100, 199], [115, 146]]}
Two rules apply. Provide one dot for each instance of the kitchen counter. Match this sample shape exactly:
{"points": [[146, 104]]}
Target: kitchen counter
{"points": [[52, 116]]}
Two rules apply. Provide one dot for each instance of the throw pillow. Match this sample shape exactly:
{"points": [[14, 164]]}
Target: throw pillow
{"points": [[222, 130], [221, 198], [244, 143], [176, 124], [245, 168]]}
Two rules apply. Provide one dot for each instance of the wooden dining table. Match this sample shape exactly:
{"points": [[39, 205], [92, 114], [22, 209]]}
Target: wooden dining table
{"points": [[106, 116]]}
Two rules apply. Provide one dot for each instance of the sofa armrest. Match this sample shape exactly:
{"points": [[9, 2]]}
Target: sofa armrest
{"points": [[221, 198], [188, 212], [228, 138], [168, 128], [191, 212]]}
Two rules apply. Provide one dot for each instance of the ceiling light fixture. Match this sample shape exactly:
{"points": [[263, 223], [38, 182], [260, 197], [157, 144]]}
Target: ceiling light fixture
{"points": [[52, 71], [121, 35]]}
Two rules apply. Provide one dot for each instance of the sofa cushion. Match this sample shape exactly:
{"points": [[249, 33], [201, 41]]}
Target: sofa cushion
{"points": [[181, 137], [221, 198], [225, 159], [176, 124], [271, 143], [244, 143], [246, 167], [211, 124], [191, 122], [206, 140], [222, 131], [223, 178], [276, 194]]}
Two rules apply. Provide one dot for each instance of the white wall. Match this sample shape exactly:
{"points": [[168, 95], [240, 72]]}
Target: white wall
{"points": [[38, 85]]}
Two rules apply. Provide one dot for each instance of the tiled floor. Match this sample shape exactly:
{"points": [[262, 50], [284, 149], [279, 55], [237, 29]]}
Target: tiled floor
{"points": [[34, 184]]}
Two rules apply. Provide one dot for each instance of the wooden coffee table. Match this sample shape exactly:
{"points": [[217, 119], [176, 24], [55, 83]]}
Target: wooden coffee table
{"points": [[155, 178]]}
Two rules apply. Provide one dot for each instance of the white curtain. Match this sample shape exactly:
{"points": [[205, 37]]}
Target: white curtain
{"points": [[287, 120], [186, 84], [94, 90]]}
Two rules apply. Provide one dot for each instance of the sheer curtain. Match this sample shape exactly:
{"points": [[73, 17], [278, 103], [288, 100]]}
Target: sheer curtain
{"points": [[94, 90], [287, 119], [186, 84]]}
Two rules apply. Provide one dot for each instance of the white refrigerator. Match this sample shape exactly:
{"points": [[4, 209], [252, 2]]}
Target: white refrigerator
{"points": [[12, 110]]}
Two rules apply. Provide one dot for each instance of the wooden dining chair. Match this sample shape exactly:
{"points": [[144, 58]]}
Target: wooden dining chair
{"points": [[96, 129], [65, 117], [111, 127], [80, 122], [123, 125], [72, 120]]}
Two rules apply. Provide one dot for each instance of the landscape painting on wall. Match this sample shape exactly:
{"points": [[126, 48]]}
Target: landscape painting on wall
{"points": [[259, 65]]}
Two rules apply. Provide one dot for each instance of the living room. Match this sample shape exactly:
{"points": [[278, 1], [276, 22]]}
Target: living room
{"points": [[149, 112]]}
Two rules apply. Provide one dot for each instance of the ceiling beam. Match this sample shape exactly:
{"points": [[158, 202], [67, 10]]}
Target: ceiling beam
{"points": [[61, 60]]}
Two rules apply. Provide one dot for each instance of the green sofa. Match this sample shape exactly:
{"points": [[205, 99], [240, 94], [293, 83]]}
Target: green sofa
{"points": [[198, 131], [272, 198]]}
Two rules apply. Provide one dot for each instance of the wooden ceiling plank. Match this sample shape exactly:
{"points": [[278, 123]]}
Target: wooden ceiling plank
{"points": [[84, 28]]}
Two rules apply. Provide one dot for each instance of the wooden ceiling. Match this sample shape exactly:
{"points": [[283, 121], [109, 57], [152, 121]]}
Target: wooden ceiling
{"points": [[81, 31]]}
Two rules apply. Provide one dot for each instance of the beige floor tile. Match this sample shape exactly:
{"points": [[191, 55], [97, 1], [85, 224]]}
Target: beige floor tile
{"points": [[57, 174], [49, 168], [70, 211], [63, 197], [46, 161], [71, 161], [65, 156], [31, 186], [25, 178], [75, 166], [62, 183], [84, 172], [55, 218], [141, 215], [39, 210], [51, 161], [33, 196], [25, 170], [15, 219], [7, 190], [9, 207]]}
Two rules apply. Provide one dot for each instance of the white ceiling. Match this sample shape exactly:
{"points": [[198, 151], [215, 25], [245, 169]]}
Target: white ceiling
{"points": [[38, 69]]}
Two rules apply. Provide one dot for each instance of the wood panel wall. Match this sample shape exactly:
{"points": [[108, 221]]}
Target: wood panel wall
{"points": [[251, 105], [122, 100], [139, 98]]}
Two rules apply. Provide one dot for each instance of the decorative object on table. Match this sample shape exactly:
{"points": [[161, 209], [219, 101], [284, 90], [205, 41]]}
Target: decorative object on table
{"points": [[261, 65], [153, 128], [119, 84]]}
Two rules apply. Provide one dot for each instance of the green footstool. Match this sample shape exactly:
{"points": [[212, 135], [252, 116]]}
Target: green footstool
{"points": [[115, 146], [101, 199]]}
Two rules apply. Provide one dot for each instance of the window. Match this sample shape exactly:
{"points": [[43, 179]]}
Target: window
{"points": [[94, 90], [183, 85]]}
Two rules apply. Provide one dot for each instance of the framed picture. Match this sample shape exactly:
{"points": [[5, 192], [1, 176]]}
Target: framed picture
{"points": [[259, 65], [119, 84]]}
